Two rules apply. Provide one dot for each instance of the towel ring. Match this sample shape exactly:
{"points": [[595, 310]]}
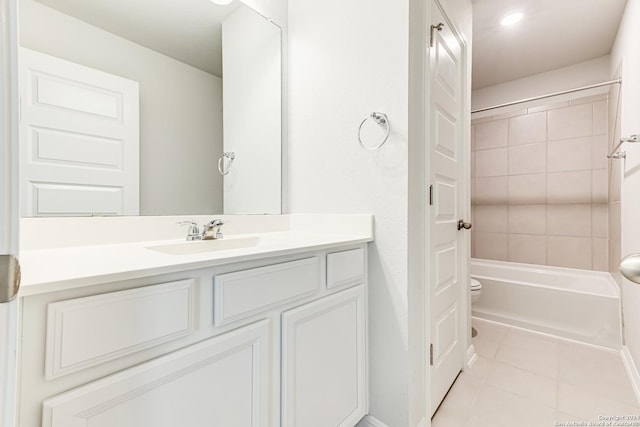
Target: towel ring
{"points": [[382, 120], [226, 155]]}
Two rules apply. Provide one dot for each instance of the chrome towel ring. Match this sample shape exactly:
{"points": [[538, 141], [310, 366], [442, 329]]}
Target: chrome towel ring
{"points": [[226, 155], [382, 120]]}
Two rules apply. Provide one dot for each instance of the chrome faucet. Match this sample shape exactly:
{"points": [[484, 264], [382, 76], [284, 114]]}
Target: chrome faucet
{"points": [[193, 232], [212, 230]]}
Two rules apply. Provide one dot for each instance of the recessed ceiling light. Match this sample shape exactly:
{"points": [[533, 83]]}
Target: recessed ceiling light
{"points": [[222, 2], [511, 18]]}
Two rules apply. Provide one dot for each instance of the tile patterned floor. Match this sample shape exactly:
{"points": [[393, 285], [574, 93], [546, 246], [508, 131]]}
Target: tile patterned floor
{"points": [[526, 379]]}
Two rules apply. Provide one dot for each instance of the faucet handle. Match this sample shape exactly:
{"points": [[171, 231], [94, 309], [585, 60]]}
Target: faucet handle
{"points": [[193, 232], [212, 230]]}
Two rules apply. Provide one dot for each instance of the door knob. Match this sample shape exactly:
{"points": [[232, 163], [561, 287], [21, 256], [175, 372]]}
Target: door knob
{"points": [[630, 267], [462, 224]]}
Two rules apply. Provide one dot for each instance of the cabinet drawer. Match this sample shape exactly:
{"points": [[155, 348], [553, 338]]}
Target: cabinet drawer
{"points": [[345, 268], [87, 331], [247, 292]]}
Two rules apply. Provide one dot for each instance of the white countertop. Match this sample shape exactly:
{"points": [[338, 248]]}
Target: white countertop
{"points": [[48, 270]]}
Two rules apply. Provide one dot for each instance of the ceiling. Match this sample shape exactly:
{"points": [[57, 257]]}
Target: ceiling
{"points": [[552, 34], [186, 30]]}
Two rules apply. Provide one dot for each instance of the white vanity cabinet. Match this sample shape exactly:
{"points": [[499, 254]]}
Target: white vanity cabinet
{"points": [[324, 348], [274, 341], [221, 381]]}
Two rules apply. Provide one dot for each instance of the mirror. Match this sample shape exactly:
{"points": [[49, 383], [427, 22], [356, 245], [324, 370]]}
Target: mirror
{"points": [[200, 104]]}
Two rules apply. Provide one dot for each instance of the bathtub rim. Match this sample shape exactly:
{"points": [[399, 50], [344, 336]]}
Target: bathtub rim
{"points": [[613, 285]]}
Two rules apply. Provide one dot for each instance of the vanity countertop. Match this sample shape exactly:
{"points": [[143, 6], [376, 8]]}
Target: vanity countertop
{"points": [[49, 270]]}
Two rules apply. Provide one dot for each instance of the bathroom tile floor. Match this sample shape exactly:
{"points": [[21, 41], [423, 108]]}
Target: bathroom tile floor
{"points": [[526, 379]]}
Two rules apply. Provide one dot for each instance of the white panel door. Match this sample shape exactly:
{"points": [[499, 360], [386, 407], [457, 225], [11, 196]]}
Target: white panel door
{"points": [[446, 243], [9, 214], [79, 139], [324, 362], [223, 381]]}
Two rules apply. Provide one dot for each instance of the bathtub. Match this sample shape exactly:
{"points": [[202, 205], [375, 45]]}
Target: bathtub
{"points": [[580, 305]]}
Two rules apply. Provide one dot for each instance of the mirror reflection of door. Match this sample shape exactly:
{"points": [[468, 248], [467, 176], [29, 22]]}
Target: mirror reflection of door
{"points": [[173, 50]]}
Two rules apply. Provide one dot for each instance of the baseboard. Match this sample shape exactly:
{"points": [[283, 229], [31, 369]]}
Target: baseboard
{"points": [[370, 421], [632, 371], [472, 356]]}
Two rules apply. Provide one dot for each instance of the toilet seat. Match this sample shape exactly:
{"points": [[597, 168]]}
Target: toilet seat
{"points": [[475, 286]]}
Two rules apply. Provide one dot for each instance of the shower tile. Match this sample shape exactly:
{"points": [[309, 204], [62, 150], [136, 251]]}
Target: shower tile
{"points": [[473, 245], [600, 117], [472, 136], [527, 189], [528, 159], [491, 134], [528, 249], [569, 155], [546, 107], [600, 253], [475, 121], [473, 164], [599, 186], [569, 187], [615, 180], [614, 236], [528, 129], [491, 246], [491, 162], [509, 114], [491, 218], [527, 219], [491, 191], [599, 152], [600, 220], [570, 122], [570, 252], [569, 220], [589, 99]]}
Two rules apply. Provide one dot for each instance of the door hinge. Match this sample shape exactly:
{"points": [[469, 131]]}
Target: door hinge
{"points": [[9, 278], [431, 195], [438, 27], [431, 355]]}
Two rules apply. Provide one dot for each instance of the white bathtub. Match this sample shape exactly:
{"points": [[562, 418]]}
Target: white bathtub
{"points": [[577, 304]]}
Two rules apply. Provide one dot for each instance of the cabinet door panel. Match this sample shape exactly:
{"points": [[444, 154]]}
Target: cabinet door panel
{"points": [[324, 362], [222, 381]]}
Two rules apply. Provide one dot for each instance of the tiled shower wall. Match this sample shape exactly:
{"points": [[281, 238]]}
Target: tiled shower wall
{"points": [[540, 185]]}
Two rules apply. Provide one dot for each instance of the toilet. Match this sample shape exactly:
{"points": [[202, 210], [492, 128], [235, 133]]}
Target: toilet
{"points": [[476, 290]]}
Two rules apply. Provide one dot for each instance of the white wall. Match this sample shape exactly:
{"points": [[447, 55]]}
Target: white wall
{"points": [[252, 94], [180, 109], [626, 51], [571, 77], [346, 60]]}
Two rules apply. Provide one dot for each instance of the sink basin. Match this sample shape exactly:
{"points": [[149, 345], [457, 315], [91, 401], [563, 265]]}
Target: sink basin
{"points": [[201, 246]]}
